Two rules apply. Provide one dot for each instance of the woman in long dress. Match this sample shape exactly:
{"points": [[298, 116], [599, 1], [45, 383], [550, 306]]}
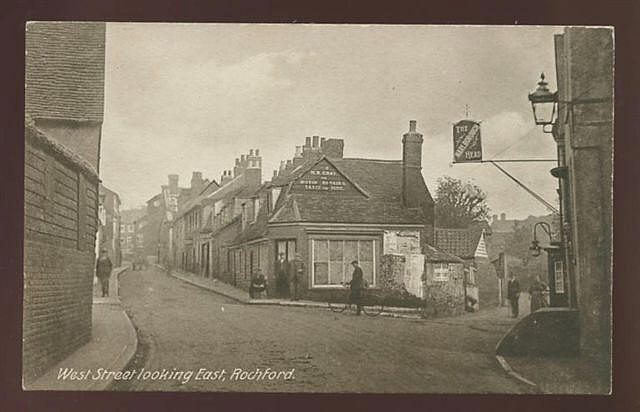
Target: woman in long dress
{"points": [[536, 294]]}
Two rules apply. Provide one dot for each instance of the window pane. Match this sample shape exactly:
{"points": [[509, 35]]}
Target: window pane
{"points": [[366, 250], [320, 250], [281, 248], [350, 251], [321, 274], [367, 271], [348, 272], [335, 251], [291, 250], [335, 273]]}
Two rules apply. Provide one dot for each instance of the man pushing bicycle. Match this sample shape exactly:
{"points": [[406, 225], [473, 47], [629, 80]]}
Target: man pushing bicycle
{"points": [[357, 285]]}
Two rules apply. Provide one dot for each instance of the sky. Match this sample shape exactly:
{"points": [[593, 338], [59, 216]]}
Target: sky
{"points": [[193, 97]]}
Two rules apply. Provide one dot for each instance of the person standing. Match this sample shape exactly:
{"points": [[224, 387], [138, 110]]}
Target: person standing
{"points": [[357, 285], [513, 294], [536, 294], [103, 271], [296, 276], [282, 278], [258, 284]]}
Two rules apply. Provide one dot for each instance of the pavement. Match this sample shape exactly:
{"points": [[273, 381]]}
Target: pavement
{"points": [[185, 330], [112, 346], [241, 296]]}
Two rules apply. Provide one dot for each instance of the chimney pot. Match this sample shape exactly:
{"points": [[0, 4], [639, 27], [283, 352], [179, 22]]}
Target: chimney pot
{"points": [[275, 173], [237, 161], [322, 140], [250, 152], [315, 141], [503, 216], [412, 125], [307, 141], [257, 152], [242, 158]]}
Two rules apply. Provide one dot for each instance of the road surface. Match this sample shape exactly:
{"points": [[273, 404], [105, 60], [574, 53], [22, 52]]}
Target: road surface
{"points": [[183, 328]]}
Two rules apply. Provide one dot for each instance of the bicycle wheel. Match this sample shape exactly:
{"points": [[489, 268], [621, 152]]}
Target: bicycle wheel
{"points": [[372, 309], [338, 307]]}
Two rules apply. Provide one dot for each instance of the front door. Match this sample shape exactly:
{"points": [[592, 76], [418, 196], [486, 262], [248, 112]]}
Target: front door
{"points": [[285, 253]]}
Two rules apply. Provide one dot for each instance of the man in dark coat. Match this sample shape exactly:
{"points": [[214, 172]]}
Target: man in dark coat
{"points": [[513, 294], [357, 285], [296, 275], [103, 271], [282, 277]]}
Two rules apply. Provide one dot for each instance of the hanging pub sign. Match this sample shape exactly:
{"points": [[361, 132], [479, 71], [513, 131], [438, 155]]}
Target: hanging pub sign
{"points": [[467, 146]]}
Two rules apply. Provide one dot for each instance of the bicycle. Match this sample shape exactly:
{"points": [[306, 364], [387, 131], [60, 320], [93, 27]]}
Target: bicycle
{"points": [[370, 304]]}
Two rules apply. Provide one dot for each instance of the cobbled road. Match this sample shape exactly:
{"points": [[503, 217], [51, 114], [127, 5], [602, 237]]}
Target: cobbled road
{"points": [[184, 328]]}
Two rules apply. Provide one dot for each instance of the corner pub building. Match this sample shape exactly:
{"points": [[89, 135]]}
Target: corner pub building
{"points": [[332, 210]]}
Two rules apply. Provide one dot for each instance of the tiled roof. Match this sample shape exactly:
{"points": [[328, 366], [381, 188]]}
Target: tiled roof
{"points": [[460, 242], [65, 70], [432, 254], [455, 241], [380, 186], [255, 230]]}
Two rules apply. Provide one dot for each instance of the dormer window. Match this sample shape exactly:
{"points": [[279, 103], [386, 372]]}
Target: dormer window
{"points": [[275, 193]]}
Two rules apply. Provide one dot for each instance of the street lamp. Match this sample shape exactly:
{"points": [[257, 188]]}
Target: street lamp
{"points": [[544, 104], [535, 244]]}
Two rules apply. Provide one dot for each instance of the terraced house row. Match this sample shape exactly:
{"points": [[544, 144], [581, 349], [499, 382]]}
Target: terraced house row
{"points": [[327, 210]]}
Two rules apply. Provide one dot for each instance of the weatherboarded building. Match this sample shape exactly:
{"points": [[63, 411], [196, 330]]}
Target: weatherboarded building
{"points": [[482, 285], [64, 112]]}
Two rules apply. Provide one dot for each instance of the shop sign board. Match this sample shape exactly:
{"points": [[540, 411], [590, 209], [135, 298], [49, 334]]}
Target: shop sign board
{"points": [[467, 146], [323, 178]]}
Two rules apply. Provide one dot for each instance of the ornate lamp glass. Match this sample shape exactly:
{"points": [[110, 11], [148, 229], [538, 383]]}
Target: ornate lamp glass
{"points": [[543, 104]]}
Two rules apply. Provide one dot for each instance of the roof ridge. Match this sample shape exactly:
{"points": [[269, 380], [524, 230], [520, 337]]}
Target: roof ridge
{"points": [[392, 161]]}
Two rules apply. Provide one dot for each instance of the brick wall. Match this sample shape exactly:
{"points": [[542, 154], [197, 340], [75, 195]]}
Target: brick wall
{"points": [[60, 213]]}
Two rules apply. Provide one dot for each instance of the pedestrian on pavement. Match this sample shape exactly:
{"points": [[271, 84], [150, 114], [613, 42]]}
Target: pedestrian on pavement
{"points": [[103, 271], [513, 294], [357, 285], [282, 278], [258, 284], [536, 294], [297, 273]]}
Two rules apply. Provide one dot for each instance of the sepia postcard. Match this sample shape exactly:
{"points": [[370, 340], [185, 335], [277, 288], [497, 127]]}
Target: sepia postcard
{"points": [[314, 208]]}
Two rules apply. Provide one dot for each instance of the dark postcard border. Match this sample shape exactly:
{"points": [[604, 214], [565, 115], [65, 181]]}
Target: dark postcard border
{"points": [[624, 15]]}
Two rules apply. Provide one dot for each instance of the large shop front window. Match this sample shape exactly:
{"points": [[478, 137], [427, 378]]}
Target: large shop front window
{"points": [[332, 261]]}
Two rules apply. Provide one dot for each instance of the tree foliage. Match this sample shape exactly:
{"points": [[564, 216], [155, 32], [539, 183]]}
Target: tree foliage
{"points": [[458, 204]]}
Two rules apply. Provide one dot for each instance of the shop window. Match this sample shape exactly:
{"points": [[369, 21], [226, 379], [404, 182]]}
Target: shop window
{"points": [[440, 272], [331, 261]]}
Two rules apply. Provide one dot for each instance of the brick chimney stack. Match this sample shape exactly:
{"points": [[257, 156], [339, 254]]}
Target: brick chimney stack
{"points": [[226, 177], [412, 181], [415, 193], [196, 181], [332, 148], [173, 184], [236, 168], [253, 168], [297, 157]]}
